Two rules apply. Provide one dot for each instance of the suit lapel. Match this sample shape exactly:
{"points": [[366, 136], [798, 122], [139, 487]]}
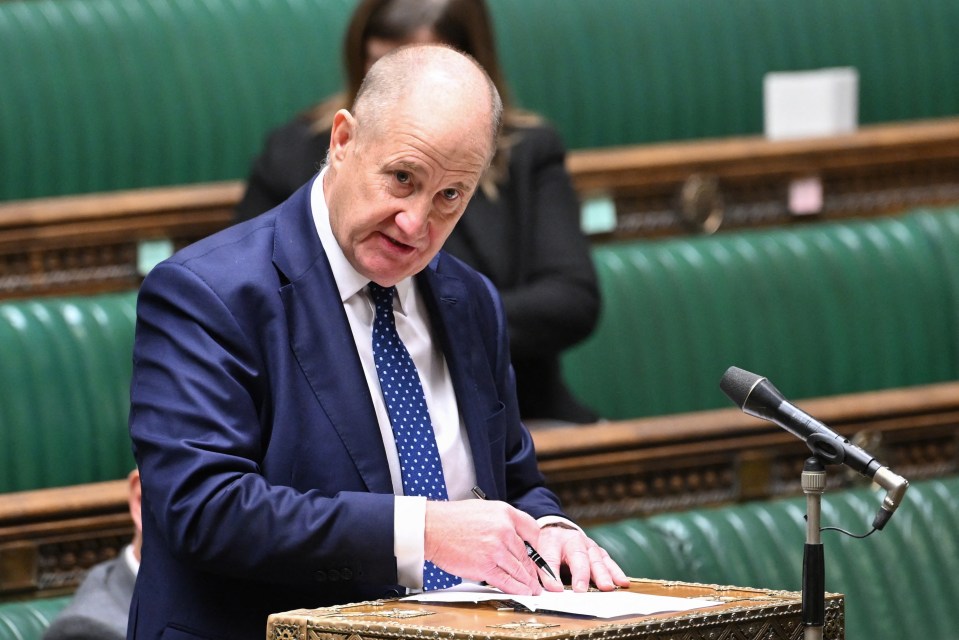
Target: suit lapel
{"points": [[448, 303], [322, 342]]}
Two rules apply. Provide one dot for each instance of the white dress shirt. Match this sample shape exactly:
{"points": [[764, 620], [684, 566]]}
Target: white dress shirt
{"points": [[413, 326]]}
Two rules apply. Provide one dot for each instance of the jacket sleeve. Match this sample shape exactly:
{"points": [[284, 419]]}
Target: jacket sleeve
{"points": [[200, 446]]}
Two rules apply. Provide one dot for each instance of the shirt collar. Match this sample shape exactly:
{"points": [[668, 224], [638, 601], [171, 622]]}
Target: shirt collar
{"points": [[349, 281]]}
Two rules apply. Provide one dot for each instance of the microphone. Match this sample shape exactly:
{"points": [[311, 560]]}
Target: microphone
{"points": [[757, 396]]}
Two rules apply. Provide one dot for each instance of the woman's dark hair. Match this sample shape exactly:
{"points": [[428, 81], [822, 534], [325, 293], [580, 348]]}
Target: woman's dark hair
{"points": [[462, 24]]}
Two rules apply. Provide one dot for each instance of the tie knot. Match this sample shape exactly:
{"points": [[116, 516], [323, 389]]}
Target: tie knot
{"points": [[382, 296]]}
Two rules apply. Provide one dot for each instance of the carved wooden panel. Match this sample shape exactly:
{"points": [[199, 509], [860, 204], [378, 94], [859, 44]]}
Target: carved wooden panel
{"points": [[711, 185], [639, 467], [92, 243], [50, 537]]}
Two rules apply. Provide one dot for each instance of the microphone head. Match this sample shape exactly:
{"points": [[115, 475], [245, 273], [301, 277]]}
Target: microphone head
{"points": [[737, 384]]}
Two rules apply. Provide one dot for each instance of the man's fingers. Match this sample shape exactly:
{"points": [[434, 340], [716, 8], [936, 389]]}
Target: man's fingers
{"points": [[586, 560], [599, 570], [509, 583], [549, 582], [578, 562], [517, 564], [482, 540], [618, 576]]}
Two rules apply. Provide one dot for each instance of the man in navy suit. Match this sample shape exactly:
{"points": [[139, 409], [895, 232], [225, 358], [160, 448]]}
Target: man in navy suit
{"points": [[270, 474]]}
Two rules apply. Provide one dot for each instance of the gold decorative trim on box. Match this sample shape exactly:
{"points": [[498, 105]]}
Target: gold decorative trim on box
{"points": [[744, 613], [395, 613], [523, 625]]}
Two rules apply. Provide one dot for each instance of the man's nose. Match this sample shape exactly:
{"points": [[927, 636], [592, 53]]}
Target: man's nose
{"points": [[414, 219]]}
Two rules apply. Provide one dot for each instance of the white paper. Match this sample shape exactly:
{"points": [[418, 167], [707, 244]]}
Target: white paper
{"points": [[597, 604], [804, 104]]}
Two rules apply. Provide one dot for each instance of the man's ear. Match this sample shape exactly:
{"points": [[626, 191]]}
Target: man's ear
{"points": [[342, 135]]}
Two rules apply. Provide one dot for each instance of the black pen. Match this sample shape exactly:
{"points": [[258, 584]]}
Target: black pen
{"points": [[530, 551]]}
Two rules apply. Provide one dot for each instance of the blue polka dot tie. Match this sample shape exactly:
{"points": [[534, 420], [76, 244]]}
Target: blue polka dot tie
{"points": [[420, 463]]}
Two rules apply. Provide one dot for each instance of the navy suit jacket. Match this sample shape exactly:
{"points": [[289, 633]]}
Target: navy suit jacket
{"points": [[527, 241], [265, 481]]}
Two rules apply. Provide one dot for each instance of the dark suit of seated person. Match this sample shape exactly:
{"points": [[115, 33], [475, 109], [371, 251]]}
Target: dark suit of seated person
{"points": [[280, 467], [521, 228], [100, 607]]}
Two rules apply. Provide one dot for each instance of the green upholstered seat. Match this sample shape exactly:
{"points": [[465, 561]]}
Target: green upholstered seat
{"points": [[821, 309], [632, 71], [899, 582], [66, 390], [100, 95], [642, 551], [27, 620]]}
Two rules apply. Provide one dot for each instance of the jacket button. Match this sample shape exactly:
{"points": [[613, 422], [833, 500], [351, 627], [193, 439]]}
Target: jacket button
{"points": [[346, 573], [333, 575], [320, 576]]}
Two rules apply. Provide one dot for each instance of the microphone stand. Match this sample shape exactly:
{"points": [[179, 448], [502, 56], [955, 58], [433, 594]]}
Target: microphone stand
{"points": [[813, 481]]}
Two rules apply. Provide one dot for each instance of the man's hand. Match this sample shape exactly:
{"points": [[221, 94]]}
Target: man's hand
{"points": [[484, 541], [587, 561]]}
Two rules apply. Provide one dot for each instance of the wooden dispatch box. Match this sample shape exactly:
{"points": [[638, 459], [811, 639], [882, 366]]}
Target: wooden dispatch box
{"points": [[745, 614]]}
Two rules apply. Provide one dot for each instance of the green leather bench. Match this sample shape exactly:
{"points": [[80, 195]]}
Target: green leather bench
{"points": [[899, 582], [101, 95], [29, 619], [820, 310], [66, 390]]}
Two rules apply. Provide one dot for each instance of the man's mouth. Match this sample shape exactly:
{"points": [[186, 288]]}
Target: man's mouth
{"points": [[399, 245]]}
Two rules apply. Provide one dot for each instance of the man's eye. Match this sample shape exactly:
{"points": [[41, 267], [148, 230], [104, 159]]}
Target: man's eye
{"points": [[450, 194], [403, 177]]}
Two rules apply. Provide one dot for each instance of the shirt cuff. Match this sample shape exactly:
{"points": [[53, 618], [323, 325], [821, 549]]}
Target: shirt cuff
{"points": [[409, 531], [558, 521]]}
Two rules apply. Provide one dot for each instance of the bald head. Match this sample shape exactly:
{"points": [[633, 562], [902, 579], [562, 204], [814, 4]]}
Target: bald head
{"points": [[432, 80], [404, 164]]}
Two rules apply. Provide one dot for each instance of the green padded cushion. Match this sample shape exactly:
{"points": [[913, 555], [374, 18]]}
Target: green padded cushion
{"points": [[28, 620], [899, 582], [820, 309], [632, 71], [100, 95], [65, 377], [642, 550]]}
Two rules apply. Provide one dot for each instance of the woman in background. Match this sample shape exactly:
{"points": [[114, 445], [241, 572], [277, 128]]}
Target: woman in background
{"points": [[521, 228]]}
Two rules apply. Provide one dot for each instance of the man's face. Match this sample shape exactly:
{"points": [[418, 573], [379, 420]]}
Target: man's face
{"points": [[397, 191]]}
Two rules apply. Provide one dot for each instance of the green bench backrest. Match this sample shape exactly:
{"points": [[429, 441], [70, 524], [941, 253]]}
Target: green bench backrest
{"points": [[899, 582], [821, 309], [100, 95], [65, 381], [618, 72], [29, 619]]}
